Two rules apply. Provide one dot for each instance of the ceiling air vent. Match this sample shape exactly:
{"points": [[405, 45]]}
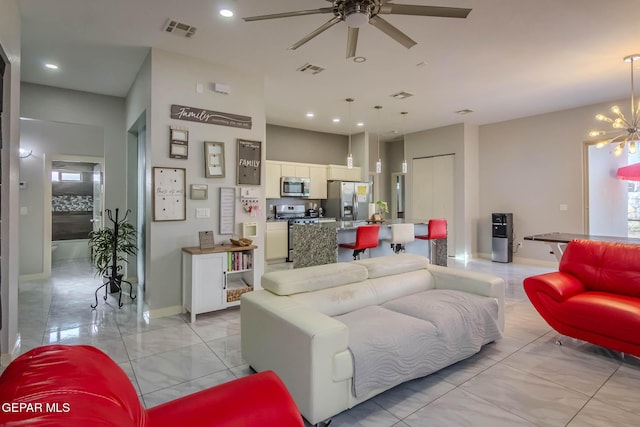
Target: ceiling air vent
{"points": [[179, 28], [310, 69], [402, 95]]}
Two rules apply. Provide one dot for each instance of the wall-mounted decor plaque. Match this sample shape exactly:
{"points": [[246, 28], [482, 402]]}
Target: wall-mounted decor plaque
{"points": [[213, 159], [169, 194], [201, 115], [249, 162]]}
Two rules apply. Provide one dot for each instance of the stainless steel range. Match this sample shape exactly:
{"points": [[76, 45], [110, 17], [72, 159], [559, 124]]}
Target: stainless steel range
{"points": [[295, 214]]}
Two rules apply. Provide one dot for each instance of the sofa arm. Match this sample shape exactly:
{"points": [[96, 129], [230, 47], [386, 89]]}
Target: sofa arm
{"points": [[557, 285], [472, 282], [260, 399], [300, 344]]}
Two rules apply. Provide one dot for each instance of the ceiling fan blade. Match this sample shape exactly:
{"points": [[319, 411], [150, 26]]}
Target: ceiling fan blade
{"points": [[315, 32], [409, 9], [352, 42], [392, 32], [289, 14]]}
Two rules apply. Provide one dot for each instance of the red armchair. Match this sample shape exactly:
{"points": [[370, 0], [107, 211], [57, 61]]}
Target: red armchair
{"points": [[595, 295], [59, 385]]}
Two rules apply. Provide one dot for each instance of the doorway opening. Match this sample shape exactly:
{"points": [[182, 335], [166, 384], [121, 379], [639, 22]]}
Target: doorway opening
{"points": [[612, 206], [397, 195], [74, 193]]}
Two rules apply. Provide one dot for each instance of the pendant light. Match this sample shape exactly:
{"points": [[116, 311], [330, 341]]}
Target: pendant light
{"points": [[349, 155], [624, 129], [404, 141], [379, 162]]}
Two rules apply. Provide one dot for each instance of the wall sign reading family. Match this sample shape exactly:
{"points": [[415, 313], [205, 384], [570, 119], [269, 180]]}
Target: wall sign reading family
{"points": [[249, 162], [201, 115], [169, 194]]}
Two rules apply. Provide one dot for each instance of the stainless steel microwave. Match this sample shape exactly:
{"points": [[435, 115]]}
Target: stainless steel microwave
{"points": [[294, 187]]}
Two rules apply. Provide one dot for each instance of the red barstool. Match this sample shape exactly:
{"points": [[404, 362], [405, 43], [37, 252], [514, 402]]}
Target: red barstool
{"points": [[436, 229], [366, 238]]}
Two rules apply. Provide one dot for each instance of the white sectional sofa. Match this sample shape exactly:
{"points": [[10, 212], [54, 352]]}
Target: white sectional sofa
{"points": [[339, 334]]}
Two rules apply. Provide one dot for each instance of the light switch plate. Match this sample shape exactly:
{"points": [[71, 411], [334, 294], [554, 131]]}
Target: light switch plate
{"points": [[203, 213]]}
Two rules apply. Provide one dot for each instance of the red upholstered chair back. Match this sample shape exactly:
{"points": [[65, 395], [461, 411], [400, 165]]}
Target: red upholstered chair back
{"points": [[82, 387], [437, 228], [604, 266], [367, 236]]}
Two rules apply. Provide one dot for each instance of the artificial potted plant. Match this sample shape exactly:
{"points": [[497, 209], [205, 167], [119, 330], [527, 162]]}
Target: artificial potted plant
{"points": [[110, 247]]}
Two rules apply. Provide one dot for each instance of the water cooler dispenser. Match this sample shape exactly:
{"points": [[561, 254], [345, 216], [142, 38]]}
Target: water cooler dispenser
{"points": [[502, 237]]}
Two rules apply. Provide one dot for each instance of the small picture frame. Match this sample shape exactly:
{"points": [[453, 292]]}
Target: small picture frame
{"points": [[199, 192], [178, 150], [178, 143], [213, 159], [206, 239]]}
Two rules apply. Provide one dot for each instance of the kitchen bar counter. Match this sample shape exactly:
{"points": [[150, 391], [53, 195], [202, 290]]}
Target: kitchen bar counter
{"points": [[315, 244]]}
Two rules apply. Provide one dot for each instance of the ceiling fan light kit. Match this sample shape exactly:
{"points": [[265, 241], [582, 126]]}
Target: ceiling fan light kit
{"points": [[356, 13]]}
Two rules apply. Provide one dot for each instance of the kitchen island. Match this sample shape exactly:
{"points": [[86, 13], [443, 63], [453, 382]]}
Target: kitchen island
{"points": [[315, 244]]}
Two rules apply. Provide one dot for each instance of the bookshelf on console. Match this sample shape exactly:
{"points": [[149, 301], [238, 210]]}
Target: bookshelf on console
{"points": [[214, 278]]}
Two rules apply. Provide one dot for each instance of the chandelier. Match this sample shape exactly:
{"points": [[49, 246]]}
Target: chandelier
{"points": [[625, 131]]}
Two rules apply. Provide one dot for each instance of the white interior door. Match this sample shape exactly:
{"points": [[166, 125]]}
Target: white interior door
{"points": [[432, 192]]}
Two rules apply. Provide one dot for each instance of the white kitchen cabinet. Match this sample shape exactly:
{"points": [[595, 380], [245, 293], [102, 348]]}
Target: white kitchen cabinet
{"points": [[318, 182], [273, 174], [297, 170], [277, 240], [343, 173], [214, 279]]}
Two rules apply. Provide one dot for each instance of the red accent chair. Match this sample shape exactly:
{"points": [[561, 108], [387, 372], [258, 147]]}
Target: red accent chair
{"points": [[595, 295], [366, 238], [59, 385], [436, 229]]}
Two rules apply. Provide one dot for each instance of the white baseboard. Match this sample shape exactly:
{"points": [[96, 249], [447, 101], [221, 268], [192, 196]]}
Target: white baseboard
{"points": [[30, 277], [6, 358], [523, 260]]}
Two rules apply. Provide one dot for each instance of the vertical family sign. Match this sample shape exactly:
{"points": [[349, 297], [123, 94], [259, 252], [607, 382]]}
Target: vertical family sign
{"points": [[249, 162]]}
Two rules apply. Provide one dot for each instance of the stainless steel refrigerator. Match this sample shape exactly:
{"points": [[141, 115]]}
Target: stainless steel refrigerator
{"points": [[348, 201]]}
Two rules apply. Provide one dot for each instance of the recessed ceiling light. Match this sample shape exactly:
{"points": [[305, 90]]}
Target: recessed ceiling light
{"points": [[465, 111], [310, 114], [336, 120], [226, 13], [51, 66], [359, 59], [360, 124]]}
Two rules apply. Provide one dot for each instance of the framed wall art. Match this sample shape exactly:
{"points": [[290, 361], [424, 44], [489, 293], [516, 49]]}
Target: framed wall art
{"points": [[213, 159], [249, 162], [178, 143], [169, 194]]}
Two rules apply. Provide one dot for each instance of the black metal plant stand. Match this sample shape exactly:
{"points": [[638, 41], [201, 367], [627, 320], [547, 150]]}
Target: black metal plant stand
{"points": [[115, 280]]}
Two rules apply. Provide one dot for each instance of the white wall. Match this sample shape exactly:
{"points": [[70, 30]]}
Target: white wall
{"points": [[608, 196], [530, 167], [10, 51], [46, 139], [107, 112], [173, 81]]}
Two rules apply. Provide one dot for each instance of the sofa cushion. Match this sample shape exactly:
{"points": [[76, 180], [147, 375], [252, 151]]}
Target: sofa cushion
{"points": [[353, 296], [390, 265], [468, 320], [289, 282], [604, 266], [389, 348]]}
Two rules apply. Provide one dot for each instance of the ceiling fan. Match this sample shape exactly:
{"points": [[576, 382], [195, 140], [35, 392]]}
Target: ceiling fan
{"points": [[358, 12]]}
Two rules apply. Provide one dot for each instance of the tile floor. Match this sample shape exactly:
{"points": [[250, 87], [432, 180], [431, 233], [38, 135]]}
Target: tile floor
{"points": [[524, 379]]}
